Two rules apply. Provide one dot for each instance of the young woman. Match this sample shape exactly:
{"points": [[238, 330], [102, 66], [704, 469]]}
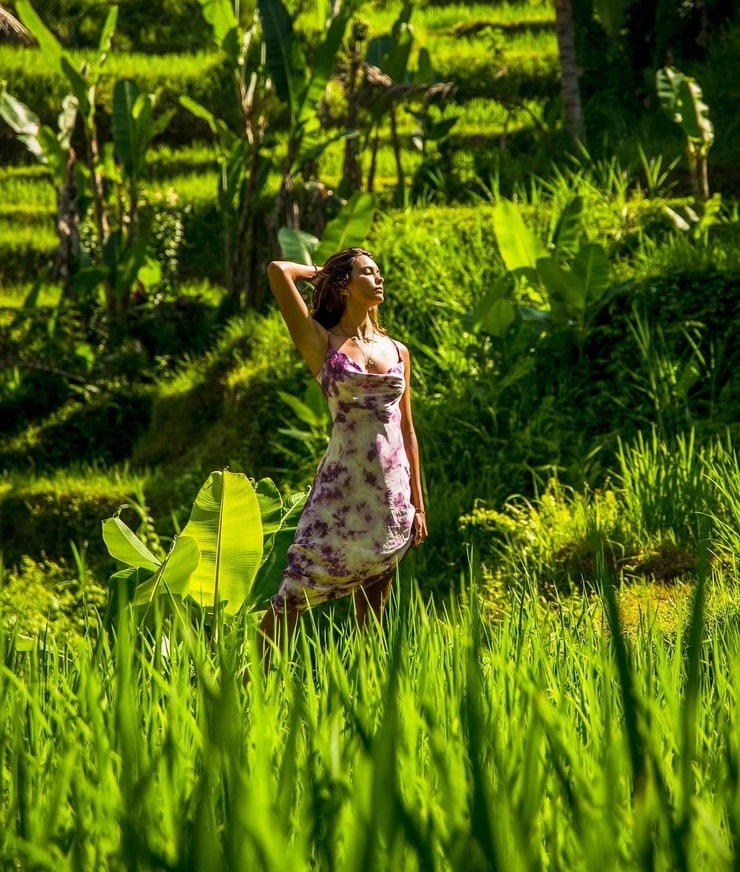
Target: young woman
{"points": [[365, 507]]}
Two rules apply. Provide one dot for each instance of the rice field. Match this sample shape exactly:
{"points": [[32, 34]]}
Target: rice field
{"points": [[544, 740]]}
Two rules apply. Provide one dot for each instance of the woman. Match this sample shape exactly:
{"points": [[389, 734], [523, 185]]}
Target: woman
{"points": [[365, 506]]}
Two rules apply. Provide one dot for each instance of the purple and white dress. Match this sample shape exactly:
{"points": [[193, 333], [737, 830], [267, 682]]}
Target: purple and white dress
{"points": [[358, 518]]}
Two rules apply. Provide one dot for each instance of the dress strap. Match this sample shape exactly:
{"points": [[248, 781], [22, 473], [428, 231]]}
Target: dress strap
{"points": [[398, 350]]}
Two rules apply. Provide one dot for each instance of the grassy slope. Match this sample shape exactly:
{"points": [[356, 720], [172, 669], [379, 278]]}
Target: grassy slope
{"points": [[521, 43]]}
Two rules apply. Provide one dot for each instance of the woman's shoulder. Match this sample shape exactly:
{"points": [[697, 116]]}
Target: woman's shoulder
{"points": [[399, 345]]}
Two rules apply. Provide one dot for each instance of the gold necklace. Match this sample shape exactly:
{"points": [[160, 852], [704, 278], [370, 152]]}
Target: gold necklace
{"points": [[369, 362], [368, 340]]}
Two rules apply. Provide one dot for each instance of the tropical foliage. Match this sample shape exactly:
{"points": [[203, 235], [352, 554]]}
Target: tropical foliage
{"points": [[554, 685]]}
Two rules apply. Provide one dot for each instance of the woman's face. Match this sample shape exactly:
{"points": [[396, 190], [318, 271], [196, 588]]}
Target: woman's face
{"points": [[365, 283]]}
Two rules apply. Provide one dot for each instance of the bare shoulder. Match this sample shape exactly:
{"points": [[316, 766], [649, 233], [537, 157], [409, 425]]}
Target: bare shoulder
{"points": [[403, 349]]}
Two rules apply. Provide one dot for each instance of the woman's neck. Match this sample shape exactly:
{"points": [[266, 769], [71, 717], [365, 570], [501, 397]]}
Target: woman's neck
{"points": [[359, 329]]}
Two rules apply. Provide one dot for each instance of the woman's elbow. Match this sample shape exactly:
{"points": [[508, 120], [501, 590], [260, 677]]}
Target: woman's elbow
{"points": [[274, 268]]}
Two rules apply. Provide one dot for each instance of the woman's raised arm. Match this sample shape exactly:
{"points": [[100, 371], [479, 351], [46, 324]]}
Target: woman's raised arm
{"points": [[309, 337]]}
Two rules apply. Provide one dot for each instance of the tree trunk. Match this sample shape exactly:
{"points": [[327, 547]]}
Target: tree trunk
{"points": [[68, 226], [352, 170], [569, 70]]}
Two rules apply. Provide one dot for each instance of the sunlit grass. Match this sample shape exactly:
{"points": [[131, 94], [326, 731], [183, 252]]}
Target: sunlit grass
{"points": [[545, 739], [13, 296], [18, 62]]}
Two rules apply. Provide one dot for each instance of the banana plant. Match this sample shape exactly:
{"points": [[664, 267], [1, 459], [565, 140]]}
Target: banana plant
{"points": [[301, 91], [561, 283], [350, 227], [83, 81], [555, 285], [231, 554], [127, 258], [65, 173], [243, 158], [682, 99], [120, 257], [393, 83]]}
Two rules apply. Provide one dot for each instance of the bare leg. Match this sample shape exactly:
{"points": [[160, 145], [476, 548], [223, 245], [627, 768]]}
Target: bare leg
{"points": [[271, 631], [372, 597]]}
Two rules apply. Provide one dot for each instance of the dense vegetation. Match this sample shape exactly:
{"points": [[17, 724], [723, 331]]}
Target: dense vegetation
{"points": [[572, 312]]}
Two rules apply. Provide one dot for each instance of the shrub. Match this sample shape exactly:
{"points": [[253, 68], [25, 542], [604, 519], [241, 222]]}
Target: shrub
{"points": [[42, 519], [102, 428]]}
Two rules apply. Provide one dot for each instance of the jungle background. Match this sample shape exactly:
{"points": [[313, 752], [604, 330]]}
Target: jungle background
{"points": [[550, 189]]}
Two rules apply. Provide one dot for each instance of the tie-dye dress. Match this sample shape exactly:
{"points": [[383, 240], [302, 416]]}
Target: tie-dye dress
{"points": [[358, 518]]}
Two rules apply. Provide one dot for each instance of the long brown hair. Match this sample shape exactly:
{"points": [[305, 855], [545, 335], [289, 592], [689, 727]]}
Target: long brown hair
{"points": [[328, 297]]}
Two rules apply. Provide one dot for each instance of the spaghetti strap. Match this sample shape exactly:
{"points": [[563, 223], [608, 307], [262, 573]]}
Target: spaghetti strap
{"points": [[398, 350]]}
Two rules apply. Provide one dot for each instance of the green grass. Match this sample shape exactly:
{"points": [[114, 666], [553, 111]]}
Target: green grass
{"points": [[545, 739], [20, 64]]}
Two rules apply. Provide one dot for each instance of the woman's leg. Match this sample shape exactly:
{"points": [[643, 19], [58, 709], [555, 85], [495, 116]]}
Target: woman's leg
{"points": [[373, 597], [271, 630]]}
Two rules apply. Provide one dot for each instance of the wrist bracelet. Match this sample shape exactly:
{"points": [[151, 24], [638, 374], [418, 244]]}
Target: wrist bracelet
{"points": [[315, 272], [420, 511]]}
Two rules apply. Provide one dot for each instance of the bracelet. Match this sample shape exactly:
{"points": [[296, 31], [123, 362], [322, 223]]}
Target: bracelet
{"points": [[315, 272], [420, 511]]}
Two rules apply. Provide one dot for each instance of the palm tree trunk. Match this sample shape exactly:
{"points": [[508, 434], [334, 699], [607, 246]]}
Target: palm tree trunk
{"points": [[569, 70]]}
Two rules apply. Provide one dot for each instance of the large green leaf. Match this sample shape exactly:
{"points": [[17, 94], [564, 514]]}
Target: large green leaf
{"points": [[694, 112], [48, 43], [325, 57], [563, 287], [519, 247], [271, 572], [224, 136], [17, 115], [283, 53], [591, 266], [667, 81], [23, 121], [54, 154], [309, 414], [271, 505], [123, 545], [125, 125], [227, 525], [224, 26], [297, 245], [396, 62], [681, 97], [106, 34], [54, 53], [349, 228], [497, 291], [567, 231], [500, 316], [133, 126], [175, 572]]}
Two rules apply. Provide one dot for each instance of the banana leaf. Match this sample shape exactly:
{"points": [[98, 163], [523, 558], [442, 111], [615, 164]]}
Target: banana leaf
{"points": [[227, 525], [271, 572], [350, 227], [123, 545], [519, 247], [591, 265], [174, 573]]}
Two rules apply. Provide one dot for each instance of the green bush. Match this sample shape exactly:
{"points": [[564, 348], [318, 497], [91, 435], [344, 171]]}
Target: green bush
{"points": [[43, 519], [25, 250], [101, 428], [39, 597]]}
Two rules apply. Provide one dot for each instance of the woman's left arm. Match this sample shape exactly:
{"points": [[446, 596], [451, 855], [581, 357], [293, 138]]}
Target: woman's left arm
{"points": [[411, 445]]}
